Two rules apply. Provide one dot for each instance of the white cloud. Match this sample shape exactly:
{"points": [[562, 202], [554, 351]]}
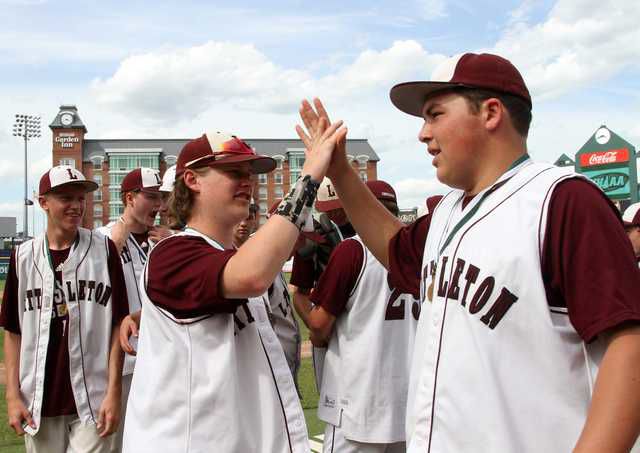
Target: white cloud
{"points": [[580, 42], [171, 84], [432, 9], [414, 191]]}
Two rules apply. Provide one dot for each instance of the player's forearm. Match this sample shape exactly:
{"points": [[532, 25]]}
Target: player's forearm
{"points": [[251, 271], [302, 304], [116, 359], [613, 422], [373, 222], [12, 364]]}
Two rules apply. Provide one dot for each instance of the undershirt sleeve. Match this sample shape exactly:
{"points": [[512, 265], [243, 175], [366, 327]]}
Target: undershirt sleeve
{"points": [[184, 277], [303, 272], [406, 249], [588, 264], [9, 311], [119, 298], [340, 277]]}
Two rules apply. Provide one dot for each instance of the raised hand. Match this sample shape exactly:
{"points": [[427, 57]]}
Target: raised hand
{"points": [[316, 121]]}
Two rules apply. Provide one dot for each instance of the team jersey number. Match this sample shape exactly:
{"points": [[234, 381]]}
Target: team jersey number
{"points": [[397, 303]]}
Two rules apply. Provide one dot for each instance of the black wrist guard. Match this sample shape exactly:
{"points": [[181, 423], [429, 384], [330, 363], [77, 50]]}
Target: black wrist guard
{"points": [[296, 205]]}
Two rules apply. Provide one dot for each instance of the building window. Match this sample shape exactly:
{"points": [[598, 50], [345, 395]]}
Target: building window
{"points": [[277, 178], [114, 194], [363, 176], [97, 210], [263, 207], [97, 195], [277, 192], [125, 162], [293, 176], [279, 161], [170, 160], [262, 193], [362, 161], [115, 211], [262, 178], [97, 162], [70, 162], [97, 223], [296, 160], [97, 179]]}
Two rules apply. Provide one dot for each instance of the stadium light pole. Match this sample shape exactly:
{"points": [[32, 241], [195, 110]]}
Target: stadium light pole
{"points": [[27, 127]]}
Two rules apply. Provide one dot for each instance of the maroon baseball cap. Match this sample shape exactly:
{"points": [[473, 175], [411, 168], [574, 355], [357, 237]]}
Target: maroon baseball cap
{"points": [[631, 216], [142, 179], [219, 148], [62, 176], [327, 197], [469, 70], [382, 190]]}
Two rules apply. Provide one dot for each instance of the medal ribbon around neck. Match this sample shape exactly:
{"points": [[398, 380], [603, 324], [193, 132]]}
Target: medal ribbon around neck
{"points": [[504, 178]]}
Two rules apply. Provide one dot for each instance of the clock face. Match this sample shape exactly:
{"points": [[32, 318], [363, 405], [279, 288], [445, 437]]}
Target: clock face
{"points": [[603, 135], [66, 119]]}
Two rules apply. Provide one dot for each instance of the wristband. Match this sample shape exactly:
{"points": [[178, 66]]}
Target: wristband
{"points": [[296, 205]]}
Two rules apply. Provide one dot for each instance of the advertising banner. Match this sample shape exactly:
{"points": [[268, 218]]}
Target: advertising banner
{"points": [[615, 182]]}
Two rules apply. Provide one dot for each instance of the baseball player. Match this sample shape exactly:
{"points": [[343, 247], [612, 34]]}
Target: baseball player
{"points": [[307, 270], [369, 327], [246, 228], [528, 338], [210, 372], [631, 219], [132, 234], [166, 188], [63, 300], [283, 319]]}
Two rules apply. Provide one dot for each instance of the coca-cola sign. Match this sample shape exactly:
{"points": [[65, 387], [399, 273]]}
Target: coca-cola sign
{"points": [[613, 156]]}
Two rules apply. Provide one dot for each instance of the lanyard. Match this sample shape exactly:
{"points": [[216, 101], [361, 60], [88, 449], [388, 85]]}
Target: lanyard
{"points": [[484, 196]]}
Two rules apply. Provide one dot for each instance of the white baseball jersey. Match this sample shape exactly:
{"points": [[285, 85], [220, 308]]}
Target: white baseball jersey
{"points": [[133, 259], [284, 322], [366, 366], [87, 293], [495, 368], [213, 383]]}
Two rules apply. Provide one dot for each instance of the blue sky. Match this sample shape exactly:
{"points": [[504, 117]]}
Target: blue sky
{"points": [[163, 69]]}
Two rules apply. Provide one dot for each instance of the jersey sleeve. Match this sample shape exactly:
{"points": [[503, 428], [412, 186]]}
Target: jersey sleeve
{"points": [[588, 264], [184, 277], [9, 318], [118, 285], [406, 249], [303, 272], [340, 277]]}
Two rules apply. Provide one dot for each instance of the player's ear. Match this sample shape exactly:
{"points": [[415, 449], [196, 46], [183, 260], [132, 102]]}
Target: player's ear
{"points": [[43, 202], [191, 180], [493, 113]]}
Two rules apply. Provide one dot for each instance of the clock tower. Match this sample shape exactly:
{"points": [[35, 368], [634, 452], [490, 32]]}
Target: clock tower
{"points": [[68, 136]]}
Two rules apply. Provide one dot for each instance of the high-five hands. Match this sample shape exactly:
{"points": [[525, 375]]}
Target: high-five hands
{"points": [[320, 139]]}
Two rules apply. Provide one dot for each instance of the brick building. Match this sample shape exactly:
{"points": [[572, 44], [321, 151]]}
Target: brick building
{"points": [[106, 161]]}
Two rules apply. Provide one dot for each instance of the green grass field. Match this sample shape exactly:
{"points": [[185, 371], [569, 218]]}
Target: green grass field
{"points": [[10, 443]]}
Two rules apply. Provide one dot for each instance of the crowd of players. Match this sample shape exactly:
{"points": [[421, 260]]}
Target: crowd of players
{"points": [[505, 319]]}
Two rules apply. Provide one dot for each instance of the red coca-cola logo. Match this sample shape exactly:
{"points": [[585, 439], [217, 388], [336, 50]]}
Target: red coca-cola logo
{"points": [[613, 156]]}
